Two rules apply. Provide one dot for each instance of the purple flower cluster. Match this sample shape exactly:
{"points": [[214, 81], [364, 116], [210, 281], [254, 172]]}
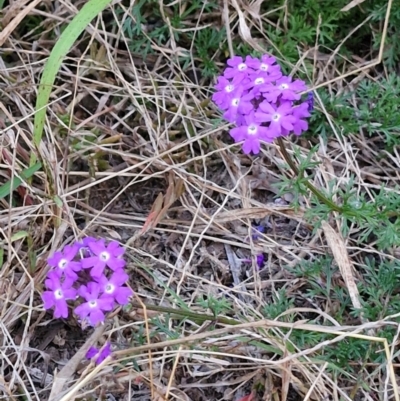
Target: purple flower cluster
{"points": [[91, 272], [262, 102]]}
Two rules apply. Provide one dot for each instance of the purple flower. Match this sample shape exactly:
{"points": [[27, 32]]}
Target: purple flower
{"points": [[299, 112], [87, 240], [237, 68], [58, 294], [258, 83], [63, 261], [265, 65], [280, 117], [286, 89], [84, 246], [99, 354], [241, 120], [92, 352], [227, 90], [109, 255], [239, 105], [113, 287], [251, 133], [95, 306]]}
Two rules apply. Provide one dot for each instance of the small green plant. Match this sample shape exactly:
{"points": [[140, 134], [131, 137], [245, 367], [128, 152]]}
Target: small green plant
{"points": [[148, 26], [377, 10], [279, 303], [377, 112], [376, 217], [378, 291], [216, 306], [309, 22]]}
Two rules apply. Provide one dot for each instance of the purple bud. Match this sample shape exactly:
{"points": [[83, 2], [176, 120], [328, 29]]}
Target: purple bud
{"points": [[310, 101], [260, 260], [256, 232]]}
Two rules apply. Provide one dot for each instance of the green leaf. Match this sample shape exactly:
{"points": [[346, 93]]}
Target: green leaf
{"points": [[53, 64], [11, 185], [19, 235], [58, 201]]}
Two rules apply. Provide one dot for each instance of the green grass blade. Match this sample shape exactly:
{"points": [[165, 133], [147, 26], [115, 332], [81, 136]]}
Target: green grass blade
{"points": [[53, 64], [7, 188]]}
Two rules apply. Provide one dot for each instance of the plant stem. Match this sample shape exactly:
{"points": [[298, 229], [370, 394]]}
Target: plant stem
{"points": [[310, 186], [181, 313]]}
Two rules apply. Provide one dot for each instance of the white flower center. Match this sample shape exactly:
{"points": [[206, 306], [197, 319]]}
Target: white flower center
{"points": [[229, 88], [235, 102], [58, 294], [259, 81], [264, 67], [242, 67], [276, 117], [252, 129], [92, 304], [104, 256], [283, 86], [62, 264], [109, 288]]}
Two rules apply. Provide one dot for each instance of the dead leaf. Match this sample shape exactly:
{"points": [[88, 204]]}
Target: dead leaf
{"points": [[339, 251], [254, 9], [154, 212], [286, 377], [244, 30], [249, 397], [164, 202]]}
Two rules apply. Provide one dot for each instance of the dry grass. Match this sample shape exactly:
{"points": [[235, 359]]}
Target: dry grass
{"points": [[120, 131]]}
